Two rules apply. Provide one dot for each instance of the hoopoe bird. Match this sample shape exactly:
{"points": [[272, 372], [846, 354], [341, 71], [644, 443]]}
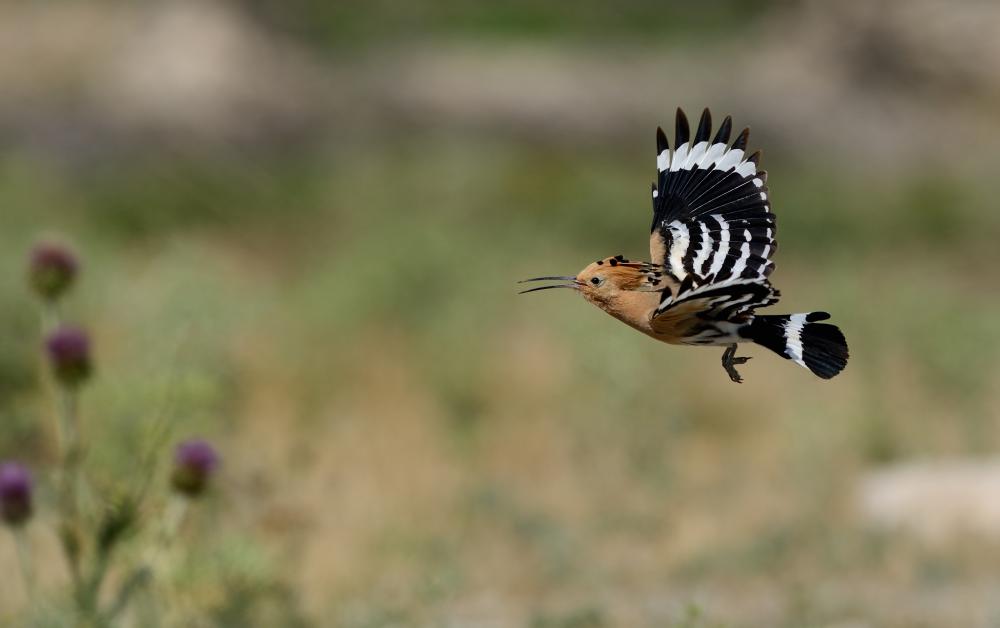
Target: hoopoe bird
{"points": [[711, 243]]}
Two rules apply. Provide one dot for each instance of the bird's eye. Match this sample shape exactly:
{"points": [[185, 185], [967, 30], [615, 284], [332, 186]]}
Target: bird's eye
{"points": [[596, 281]]}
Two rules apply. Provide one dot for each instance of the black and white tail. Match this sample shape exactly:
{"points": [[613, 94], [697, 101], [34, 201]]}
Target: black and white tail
{"points": [[819, 347]]}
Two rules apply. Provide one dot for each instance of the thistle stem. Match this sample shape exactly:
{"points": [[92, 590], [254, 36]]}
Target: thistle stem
{"points": [[50, 318], [24, 561], [155, 561], [69, 425], [90, 599], [173, 517], [69, 502]]}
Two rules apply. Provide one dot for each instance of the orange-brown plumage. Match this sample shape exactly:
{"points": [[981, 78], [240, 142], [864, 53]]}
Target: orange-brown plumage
{"points": [[625, 292]]}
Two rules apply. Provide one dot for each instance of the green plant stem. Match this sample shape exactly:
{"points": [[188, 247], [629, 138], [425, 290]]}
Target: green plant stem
{"points": [[69, 485], [173, 517], [50, 318], [136, 581], [160, 561], [70, 453], [27, 567], [90, 599], [155, 562], [70, 459], [69, 426]]}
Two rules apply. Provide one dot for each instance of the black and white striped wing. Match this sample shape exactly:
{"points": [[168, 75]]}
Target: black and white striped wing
{"points": [[729, 300], [711, 313], [711, 216]]}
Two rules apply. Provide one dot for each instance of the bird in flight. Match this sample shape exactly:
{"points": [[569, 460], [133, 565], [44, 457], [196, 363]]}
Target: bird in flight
{"points": [[711, 243]]}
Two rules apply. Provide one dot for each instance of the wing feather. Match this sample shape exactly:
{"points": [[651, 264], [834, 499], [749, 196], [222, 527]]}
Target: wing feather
{"points": [[726, 300], [711, 213]]}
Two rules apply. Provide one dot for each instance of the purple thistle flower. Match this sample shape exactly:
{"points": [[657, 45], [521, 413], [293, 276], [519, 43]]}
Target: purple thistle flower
{"points": [[195, 461], [52, 270], [69, 354], [15, 493]]}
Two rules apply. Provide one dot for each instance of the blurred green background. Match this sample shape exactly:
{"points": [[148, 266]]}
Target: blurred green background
{"points": [[301, 223]]}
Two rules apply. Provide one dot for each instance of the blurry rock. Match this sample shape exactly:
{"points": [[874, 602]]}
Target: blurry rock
{"points": [[76, 75], [947, 47], [893, 83], [935, 501], [205, 69]]}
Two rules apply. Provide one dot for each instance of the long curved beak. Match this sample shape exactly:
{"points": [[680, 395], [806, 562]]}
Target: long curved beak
{"points": [[573, 284]]}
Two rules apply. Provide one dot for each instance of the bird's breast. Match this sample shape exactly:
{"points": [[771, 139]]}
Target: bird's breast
{"points": [[635, 309]]}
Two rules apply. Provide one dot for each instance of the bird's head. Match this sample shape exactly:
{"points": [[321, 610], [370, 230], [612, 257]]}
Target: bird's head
{"points": [[603, 281]]}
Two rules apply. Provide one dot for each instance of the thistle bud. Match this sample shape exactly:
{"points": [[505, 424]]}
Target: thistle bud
{"points": [[194, 463], [15, 493], [69, 355], [52, 271]]}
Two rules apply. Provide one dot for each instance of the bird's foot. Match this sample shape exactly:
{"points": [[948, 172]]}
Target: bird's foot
{"points": [[729, 360]]}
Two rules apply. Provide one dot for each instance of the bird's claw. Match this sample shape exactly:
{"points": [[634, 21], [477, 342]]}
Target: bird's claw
{"points": [[729, 360]]}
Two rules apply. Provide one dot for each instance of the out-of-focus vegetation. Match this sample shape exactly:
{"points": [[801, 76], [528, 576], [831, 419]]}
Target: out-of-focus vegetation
{"points": [[302, 223], [335, 25]]}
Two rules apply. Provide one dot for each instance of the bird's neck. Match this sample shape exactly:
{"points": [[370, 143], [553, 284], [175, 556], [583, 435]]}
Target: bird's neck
{"points": [[633, 308]]}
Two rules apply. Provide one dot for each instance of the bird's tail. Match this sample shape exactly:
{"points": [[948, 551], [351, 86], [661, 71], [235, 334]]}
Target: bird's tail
{"points": [[819, 347]]}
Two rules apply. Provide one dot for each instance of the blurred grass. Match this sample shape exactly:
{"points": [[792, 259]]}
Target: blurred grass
{"points": [[409, 443]]}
